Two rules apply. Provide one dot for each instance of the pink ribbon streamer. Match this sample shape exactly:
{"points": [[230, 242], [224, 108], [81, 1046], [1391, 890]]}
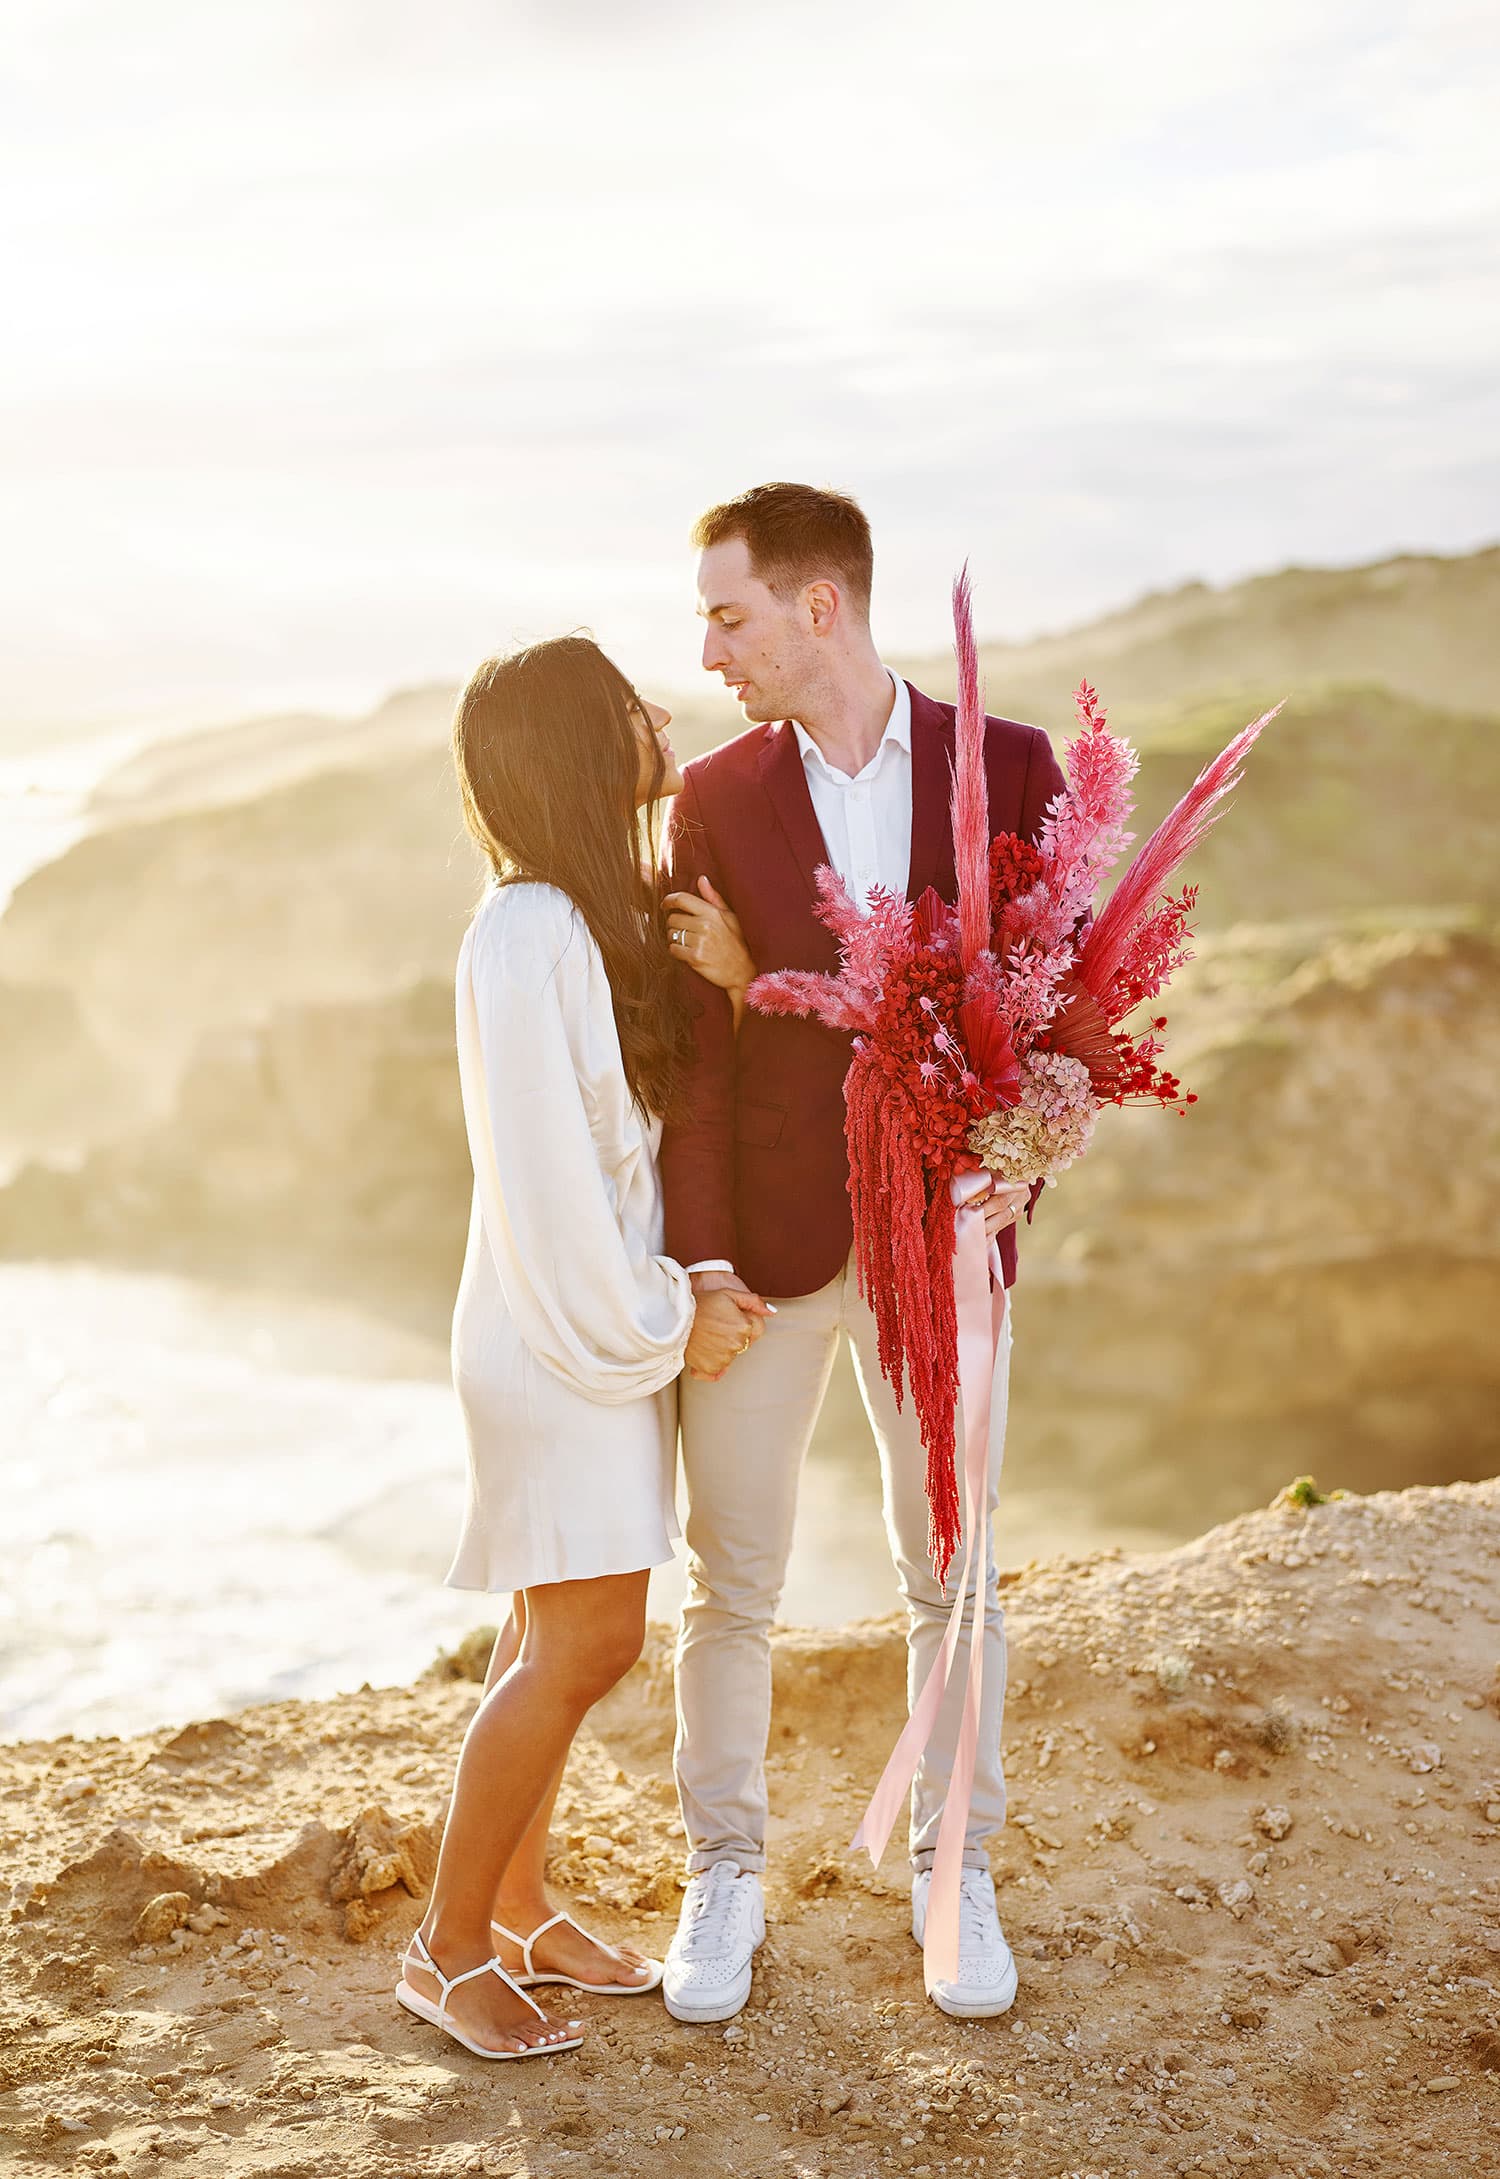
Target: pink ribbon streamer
{"points": [[979, 1295]]}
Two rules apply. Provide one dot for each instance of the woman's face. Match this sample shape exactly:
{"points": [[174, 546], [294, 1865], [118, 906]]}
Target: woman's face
{"points": [[651, 722]]}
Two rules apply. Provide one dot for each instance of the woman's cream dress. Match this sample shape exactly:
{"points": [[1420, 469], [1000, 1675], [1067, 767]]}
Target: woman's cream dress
{"points": [[570, 1324]]}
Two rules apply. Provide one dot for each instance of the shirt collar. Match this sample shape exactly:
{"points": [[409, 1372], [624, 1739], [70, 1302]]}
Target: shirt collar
{"points": [[897, 729]]}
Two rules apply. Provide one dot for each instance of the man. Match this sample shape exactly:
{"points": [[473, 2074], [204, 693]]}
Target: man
{"points": [[847, 764]]}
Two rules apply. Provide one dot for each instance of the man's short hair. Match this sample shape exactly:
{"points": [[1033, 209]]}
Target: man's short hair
{"points": [[796, 533]]}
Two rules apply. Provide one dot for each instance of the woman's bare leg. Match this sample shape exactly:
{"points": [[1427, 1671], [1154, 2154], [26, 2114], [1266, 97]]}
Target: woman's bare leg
{"points": [[522, 1902], [579, 1638]]}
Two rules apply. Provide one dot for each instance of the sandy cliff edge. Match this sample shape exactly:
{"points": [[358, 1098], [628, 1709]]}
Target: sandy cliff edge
{"points": [[1249, 1874]]}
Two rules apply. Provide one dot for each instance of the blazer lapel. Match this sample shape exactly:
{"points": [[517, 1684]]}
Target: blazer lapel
{"points": [[931, 789], [785, 783]]}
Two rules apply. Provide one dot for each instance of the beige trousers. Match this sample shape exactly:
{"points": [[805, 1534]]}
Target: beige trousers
{"points": [[743, 1444]]}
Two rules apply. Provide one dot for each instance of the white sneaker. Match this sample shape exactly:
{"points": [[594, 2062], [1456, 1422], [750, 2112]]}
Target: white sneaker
{"points": [[709, 1961], [986, 1982]]}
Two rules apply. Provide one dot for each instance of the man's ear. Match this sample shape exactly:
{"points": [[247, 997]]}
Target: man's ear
{"points": [[822, 602]]}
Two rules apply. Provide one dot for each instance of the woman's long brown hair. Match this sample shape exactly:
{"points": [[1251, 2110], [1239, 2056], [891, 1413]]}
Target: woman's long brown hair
{"points": [[548, 762]]}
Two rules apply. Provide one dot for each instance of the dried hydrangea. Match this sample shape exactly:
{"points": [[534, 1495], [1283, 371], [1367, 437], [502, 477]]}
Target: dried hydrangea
{"points": [[1047, 1129]]}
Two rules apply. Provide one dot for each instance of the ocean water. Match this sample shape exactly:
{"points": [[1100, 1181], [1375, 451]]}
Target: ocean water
{"points": [[43, 791], [208, 1501]]}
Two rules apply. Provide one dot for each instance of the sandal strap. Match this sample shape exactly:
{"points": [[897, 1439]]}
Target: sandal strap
{"points": [[610, 1951], [491, 1966], [541, 1931], [528, 1964]]}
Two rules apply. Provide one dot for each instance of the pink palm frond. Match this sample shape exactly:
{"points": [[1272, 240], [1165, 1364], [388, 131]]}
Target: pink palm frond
{"points": [[971, 814], [1174, 839]]}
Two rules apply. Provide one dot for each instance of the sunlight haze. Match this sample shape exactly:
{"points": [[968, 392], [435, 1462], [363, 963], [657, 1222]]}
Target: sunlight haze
{"points": [[345, 344]]}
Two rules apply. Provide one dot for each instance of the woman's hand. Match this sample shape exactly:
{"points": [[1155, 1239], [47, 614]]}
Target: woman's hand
{"points": [[703, 930], [726, 1321]]}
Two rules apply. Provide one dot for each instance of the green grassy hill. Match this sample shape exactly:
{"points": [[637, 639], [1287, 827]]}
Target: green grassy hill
{"points": [[1353, 799], [1422, 625]]}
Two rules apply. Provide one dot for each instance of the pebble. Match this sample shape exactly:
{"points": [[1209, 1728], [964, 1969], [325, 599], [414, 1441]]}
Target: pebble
{"points": [[1443, 2080], [1273, 1823], [1237, 1897], [161, 1915]]}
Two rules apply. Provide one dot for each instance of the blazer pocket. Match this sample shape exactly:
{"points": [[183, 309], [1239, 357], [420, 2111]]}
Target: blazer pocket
{"points": [[757, 1124]]}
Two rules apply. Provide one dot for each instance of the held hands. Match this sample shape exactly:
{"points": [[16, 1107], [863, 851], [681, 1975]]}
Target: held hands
{"points": [[704, 931], [727, 1320]]}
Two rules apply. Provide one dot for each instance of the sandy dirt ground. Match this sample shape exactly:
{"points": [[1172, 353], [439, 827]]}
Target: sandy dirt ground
{"points": [[1249, 1873]]}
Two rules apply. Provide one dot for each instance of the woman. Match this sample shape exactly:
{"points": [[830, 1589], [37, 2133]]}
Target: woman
{"points": [[571, 1326]]}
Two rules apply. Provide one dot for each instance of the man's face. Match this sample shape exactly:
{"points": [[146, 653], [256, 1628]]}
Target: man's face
{"points": [[761, 645]]}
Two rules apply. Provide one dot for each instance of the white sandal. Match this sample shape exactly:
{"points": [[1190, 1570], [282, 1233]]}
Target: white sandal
{"points": [[435, 2015], [532, 1979]]}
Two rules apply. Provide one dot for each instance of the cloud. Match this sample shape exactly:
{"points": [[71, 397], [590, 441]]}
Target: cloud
{"points": [[343, 334]]}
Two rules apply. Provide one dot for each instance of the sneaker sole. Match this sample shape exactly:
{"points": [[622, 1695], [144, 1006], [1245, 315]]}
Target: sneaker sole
{"points": [[986, 2009]]}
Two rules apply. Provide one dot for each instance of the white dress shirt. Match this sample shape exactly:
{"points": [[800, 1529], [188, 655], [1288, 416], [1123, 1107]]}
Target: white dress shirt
{"points": [[865, 819]]}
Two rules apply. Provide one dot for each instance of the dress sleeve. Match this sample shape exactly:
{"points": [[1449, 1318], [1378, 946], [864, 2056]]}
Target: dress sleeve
{"points": [[593, 1303]]}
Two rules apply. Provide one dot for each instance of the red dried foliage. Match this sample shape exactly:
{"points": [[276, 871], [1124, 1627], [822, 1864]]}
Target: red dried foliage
{"points": [[1015, 866]]}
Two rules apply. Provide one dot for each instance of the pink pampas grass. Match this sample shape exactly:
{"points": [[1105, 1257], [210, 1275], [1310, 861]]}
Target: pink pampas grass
{"points": [[970, 807]]}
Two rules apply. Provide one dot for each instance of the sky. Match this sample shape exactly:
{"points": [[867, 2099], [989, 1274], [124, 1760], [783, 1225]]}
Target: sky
{"points": [[347, 343]]}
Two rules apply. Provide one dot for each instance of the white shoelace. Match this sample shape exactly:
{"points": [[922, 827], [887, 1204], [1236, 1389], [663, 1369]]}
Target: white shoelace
{"points": [[976, 1913], [713, 1902]]}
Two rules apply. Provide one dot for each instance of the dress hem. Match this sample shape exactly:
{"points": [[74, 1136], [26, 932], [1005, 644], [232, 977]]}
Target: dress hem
{"points": [[535, 1581]]}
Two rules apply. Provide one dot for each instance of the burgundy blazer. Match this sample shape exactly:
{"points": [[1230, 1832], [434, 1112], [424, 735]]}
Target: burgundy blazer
{"points": [[758, 1173]]}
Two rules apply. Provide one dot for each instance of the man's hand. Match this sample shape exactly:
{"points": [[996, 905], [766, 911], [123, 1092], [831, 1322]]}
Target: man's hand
{"points": [[710, 1282], [1002, 1207], [727, 1320]]}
